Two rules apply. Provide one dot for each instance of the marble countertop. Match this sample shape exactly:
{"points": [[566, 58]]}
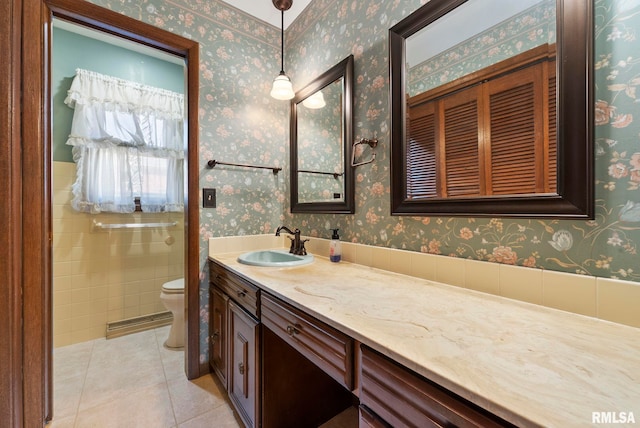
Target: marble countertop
{"points": [[531, 365]]}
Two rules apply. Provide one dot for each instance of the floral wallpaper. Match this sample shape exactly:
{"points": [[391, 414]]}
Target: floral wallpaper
{"points": [[526, 30], [241, 123], [605, 247]]}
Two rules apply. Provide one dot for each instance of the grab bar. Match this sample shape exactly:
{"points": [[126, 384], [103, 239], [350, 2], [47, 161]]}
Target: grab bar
{"points": [[213, 163], [100, 225], [335, 174]]}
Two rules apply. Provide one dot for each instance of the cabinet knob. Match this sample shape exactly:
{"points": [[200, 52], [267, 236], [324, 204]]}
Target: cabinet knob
{"points": [[241, 293], [241, 368], [215, 336], [293, 329]]}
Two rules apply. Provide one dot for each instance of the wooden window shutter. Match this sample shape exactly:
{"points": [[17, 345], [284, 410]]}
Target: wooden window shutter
{"points": [[491, 133], [421, 152], [459, 143], [515, 128], [553, 136]]}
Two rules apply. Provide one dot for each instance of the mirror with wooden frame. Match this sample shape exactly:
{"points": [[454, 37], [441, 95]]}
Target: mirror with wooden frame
{"points": [[491, 109], [321, 138]]}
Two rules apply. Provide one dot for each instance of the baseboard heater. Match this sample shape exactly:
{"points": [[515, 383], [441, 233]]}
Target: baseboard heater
{"points": [[141, 323]]}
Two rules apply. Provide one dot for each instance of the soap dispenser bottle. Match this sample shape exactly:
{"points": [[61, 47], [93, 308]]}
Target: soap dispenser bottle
{"points": [[335, 247]]}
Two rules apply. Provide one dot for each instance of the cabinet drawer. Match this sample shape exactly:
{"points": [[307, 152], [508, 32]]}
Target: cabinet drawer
{"points": [[323, 345], [238, 289], [403, 398]]}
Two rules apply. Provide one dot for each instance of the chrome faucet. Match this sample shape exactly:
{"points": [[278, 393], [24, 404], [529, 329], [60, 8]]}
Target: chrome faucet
{"points": [[297, 245]]}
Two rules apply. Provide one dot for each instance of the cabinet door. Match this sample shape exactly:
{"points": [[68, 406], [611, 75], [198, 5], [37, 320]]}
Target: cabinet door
{"points": [[244, 368], [218, 348]]}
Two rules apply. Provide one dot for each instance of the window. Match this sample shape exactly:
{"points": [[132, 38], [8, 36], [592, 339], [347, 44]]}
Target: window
{"points": [[128, 145]]}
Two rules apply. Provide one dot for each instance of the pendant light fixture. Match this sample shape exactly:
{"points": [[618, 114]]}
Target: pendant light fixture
{"points": [[314, 101], [282, 88]]}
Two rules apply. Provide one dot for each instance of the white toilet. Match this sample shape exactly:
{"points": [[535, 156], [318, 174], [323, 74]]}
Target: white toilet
{"points": [[172, 297]]}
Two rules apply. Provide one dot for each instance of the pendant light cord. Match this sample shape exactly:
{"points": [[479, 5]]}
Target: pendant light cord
{"points": [[281, 41]]}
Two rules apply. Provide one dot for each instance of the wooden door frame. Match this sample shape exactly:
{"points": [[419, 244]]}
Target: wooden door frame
{"points": [[10, 216], [26, 217]]}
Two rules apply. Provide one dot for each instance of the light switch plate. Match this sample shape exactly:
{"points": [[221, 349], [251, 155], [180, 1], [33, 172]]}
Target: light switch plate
{"points": [[208, 198]]}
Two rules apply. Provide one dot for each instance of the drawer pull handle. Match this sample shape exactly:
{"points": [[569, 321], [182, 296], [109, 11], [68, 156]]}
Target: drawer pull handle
{"points": [[293, 329], [218, 277], [242, 293], [215, 336], [241, 368]]}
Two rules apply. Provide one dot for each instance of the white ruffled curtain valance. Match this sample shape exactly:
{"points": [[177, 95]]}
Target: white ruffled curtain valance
{"points": [[128, 141]]}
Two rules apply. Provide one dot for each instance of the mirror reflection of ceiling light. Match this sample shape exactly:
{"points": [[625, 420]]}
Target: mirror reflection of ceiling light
{"points": [[282, 88], [315, 101]]}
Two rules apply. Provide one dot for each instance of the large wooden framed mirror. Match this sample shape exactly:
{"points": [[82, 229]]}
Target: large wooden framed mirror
{"points": [[491, 109], [321, 143]]}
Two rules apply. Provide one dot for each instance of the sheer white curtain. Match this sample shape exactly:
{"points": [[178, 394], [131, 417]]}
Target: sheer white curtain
{"points": [[127, 142]]}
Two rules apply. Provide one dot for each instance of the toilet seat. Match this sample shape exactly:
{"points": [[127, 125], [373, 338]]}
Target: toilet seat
{"points": [[174, 287]]}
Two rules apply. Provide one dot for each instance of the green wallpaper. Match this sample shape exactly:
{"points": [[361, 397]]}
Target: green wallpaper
{"points": [[605, 247], [240, 122]]}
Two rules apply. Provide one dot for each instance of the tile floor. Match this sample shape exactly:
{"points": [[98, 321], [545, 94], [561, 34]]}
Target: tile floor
{"points": [[133, 381]]}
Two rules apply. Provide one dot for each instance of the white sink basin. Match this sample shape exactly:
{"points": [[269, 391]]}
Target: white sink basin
{"points": [[274, 258]]}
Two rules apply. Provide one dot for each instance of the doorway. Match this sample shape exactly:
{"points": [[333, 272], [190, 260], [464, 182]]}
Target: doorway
{"points": [[109, 267], [36, 155]]}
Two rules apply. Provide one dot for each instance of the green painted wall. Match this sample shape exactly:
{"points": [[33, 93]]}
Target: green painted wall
{"points": [[71, 51]]}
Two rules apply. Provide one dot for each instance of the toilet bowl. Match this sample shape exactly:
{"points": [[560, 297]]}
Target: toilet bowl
{"points": [[172, 297]]}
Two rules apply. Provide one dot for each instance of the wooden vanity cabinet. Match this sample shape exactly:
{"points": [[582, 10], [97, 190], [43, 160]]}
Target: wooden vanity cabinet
{"points": [[244, 367], [326, 347], [237, 288], [283, 367], [307, 365], [392, 395], [218, 333], [234, 343]]}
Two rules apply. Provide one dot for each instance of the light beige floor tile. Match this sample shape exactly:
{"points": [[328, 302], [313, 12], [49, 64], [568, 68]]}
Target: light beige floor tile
{"points": [[145, 407], [122, 382], [172, 359], [110, 382], [193, 398], [122, 366], [130, 344], [71, 361], [220, 417], [62, 422], [66, 396]]}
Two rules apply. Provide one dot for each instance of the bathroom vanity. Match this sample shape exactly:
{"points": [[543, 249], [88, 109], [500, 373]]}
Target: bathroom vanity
{"points": [[297, 346]]}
